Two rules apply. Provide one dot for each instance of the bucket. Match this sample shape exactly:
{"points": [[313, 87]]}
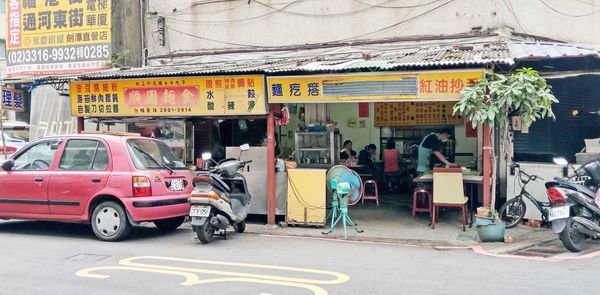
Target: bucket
{"points": [[493, 232], [479, 220]]}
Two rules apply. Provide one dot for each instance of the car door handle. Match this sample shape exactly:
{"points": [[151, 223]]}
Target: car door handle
{"points": [[38, 179], [96, 180]]}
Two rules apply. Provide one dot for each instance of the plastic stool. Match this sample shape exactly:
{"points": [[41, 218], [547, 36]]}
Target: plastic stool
{"points": [[375, 196], [418, 195]]}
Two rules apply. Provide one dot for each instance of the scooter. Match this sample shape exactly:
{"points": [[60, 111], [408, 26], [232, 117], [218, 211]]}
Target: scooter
{"points": [[575, 212], [220, 198]]}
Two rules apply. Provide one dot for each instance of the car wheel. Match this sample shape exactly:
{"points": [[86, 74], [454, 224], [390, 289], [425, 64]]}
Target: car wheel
{"points": [[109, 222], [169, 224]]}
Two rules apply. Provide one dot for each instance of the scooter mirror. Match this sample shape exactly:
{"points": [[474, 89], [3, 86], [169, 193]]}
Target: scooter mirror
{"points": [[206, 156], [244, 147], [560, 161]]}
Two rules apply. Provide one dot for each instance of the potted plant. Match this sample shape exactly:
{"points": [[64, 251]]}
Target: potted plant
{"points": [[492, 101]]}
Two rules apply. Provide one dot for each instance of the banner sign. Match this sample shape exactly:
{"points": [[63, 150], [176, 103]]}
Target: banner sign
{"points": [[13, 100], [390, 86], [195, 96], [46, 37]]}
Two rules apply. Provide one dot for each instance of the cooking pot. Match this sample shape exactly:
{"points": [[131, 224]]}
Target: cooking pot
{"points": [[324, 160], [306, 160]]}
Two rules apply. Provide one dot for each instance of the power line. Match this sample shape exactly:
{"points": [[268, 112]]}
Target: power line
{"points": [[238, 20], [405, 6], [396, 24], [514, 13], [566, 14], [217, 41]]}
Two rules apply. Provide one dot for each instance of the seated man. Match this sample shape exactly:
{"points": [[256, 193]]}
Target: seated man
{"points": [[365, 158]]}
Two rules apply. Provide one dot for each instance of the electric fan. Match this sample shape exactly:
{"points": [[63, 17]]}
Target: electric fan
{"points": [[346, 188]]}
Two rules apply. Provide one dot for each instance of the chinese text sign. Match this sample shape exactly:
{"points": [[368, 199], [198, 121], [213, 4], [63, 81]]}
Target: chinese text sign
{"points": [[205, 96], [47, 37]]}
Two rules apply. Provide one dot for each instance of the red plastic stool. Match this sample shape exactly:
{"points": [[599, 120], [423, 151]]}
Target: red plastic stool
{"points": [[375, 195], [422, 195]]}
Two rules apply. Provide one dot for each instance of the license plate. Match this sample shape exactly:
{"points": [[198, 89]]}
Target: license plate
{"points": [[177, 185], [558, 213], [200, 211]]}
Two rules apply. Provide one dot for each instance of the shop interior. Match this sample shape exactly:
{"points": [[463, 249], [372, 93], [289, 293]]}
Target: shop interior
{"points": [[314, 136]]}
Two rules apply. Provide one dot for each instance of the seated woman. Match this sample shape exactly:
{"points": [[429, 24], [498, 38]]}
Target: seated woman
{"points": [[365, 158], [391, 169], [347, 152]]}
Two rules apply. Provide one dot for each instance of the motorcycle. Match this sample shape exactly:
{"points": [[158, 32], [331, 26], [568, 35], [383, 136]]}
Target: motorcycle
{"points": [[575, 212], [220, 198]]}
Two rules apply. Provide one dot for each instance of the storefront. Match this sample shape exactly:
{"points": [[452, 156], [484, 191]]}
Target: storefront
{"points": [[192, 115], [374, 108]]}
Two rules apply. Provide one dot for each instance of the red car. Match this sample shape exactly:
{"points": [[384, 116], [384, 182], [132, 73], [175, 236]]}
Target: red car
{"points": [[113, 182]]}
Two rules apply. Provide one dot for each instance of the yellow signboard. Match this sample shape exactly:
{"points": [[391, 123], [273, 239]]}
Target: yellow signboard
{"points": [[57, 36], [392, 86], [189, 96]]}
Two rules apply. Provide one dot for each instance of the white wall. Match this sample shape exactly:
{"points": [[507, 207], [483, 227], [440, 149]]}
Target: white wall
{"points": [[216, 23]]}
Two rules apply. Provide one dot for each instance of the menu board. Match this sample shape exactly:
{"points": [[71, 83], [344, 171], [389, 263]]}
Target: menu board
{"points": [[390, 114]]}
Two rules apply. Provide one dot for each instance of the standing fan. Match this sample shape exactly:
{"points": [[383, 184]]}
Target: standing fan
{"points": [[346, 188]]}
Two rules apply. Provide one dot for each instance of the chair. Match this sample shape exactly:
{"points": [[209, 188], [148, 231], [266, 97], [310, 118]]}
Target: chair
{"points": [[421, 195], [374, 196], [448, 191]]}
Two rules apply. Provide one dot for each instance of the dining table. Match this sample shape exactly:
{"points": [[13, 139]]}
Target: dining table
{"points": [[471, 178]]}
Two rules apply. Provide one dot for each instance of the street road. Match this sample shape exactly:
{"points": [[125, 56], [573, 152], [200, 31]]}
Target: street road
{"points": [[53, 258]]}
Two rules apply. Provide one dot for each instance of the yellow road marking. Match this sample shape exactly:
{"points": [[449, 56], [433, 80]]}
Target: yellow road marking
{"points": [[192, 279]]}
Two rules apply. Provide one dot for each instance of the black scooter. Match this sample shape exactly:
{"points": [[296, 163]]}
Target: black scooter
{"points": [[575, 212], [220, 198]]}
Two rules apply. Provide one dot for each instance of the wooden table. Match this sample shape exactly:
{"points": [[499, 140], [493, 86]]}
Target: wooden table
{"points": [[472, 178]]}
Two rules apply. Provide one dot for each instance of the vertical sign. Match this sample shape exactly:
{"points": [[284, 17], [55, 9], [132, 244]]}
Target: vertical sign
{"points": [[48, 37], [13, 100]]}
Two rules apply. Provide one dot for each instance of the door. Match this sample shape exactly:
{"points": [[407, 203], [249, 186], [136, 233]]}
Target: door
{"points": [[24, 189], [82, 172]]}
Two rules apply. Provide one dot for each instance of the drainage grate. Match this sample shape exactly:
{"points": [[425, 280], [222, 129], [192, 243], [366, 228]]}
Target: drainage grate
{"points": [[87, 257], [540, 251]]}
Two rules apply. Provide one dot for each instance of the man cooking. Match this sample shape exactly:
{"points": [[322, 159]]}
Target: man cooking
{"points": [[431, 145]]}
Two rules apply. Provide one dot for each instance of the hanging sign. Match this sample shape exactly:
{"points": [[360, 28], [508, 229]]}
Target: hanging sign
{"points": [[387, 86], [13, 100], [47, 37], [195, 96]]}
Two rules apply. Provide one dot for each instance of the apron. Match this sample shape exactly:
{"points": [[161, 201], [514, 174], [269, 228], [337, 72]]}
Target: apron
{"points": [[424, 162]]}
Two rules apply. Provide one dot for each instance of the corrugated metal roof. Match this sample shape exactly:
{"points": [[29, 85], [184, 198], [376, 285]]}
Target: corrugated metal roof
{"points": [[548, 50], [342, 59], [380, 57]]}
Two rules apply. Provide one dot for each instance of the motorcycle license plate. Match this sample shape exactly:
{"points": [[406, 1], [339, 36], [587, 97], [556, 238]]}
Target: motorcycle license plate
{"points": [[177, 185], [200, 211], [558, 213]]}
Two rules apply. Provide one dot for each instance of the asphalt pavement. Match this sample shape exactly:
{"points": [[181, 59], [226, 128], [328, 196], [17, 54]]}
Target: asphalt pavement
{"points": [[55, 258]]}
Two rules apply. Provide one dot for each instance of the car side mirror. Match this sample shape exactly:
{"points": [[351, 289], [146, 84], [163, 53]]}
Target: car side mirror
{"points": [[8, 165]]}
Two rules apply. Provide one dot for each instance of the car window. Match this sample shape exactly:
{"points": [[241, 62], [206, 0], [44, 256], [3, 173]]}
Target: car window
{"points": [[38, 157], [84, 154], [152, 154]]}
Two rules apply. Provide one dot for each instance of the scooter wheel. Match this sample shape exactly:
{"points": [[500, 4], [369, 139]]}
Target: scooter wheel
{"points": [[240, 227], [206, 233], [573, 240]]}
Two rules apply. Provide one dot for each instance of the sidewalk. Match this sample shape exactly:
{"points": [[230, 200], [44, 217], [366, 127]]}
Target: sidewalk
{"points": [[394, 223]]}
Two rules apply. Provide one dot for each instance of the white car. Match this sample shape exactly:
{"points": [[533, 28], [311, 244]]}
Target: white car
{"points": [[16, 136]]}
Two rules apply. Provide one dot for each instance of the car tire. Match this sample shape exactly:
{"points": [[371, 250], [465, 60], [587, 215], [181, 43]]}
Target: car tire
{"points": [[169, 224], [109, 222], [240, 227]]}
